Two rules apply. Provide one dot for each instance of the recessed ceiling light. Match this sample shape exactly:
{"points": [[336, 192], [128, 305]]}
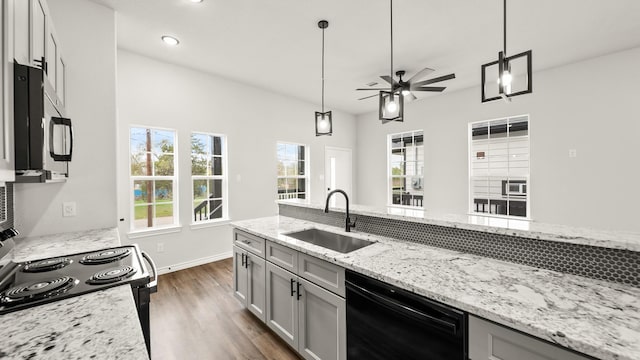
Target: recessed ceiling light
{"points": [[196, 1], [170, 40]]}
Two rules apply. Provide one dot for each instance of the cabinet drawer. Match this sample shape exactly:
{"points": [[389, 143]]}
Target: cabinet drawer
{"points": [[488, 341], [321, 273], [249, 242], [282, 256]]}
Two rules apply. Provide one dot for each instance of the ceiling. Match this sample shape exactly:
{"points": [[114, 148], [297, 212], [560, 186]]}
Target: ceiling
{"points": [[276, 44]]}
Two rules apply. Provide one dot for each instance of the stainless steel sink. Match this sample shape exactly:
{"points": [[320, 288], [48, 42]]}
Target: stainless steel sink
{"points": [[329, 240]]}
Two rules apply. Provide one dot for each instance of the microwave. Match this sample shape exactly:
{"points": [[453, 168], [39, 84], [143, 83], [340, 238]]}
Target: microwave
{"points": [[514, 188], [43, 137]]}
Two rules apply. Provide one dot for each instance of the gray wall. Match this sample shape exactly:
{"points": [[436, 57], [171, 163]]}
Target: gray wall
{"points": [[591, 106], [155, 93], [89, 44]]}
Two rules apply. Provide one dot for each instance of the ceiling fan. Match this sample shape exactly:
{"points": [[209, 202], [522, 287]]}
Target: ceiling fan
{"points": [[409, 86]]}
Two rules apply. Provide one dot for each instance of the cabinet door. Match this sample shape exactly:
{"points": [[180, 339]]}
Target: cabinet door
{"points": [[255, 289], [240, 279], [61, 79], [323, 333], [52, 56], [282, 304], [488, 341], [21, 32], [7, 172], [38, 32]]}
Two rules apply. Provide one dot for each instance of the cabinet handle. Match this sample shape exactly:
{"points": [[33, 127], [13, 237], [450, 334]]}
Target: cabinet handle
{"points": [[43, 64], [298, 289], [292, 291], [246, 261], [243, 260]]}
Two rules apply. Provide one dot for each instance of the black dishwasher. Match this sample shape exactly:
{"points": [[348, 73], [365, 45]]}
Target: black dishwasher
{"points": [[385, 322]]}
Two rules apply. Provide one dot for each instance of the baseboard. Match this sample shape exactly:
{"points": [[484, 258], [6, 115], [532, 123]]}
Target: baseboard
{"points": [[196, 262]]}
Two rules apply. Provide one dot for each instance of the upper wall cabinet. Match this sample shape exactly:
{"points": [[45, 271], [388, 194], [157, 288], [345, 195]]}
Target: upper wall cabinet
{"points": [[36, 43], [7, 172]]}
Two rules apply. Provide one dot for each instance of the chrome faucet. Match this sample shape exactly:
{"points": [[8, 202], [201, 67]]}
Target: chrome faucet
{"points": [[348, 222]]}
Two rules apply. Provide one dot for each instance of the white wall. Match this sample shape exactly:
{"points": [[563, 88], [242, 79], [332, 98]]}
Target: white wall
{"points": [[154, 93], [591, 106], [89, 45]]}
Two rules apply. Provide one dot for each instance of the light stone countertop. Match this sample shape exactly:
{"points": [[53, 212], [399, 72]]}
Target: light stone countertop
{"points": [[593, 317], [99, 325], [513, 227]]}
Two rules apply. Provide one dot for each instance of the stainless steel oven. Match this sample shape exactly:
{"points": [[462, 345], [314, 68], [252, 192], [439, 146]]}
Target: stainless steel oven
{"points": [[386, 322]]}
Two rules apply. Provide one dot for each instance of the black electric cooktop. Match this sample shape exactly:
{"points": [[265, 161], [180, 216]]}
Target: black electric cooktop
{"points": [[31, 283]]}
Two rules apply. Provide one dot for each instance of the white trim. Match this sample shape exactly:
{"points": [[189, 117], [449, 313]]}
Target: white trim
{"points": [[224, 177], [196, 262], [209, 223], [154, 231]]}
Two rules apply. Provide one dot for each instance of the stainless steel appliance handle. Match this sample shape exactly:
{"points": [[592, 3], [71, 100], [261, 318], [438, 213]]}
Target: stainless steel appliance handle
{"points": [[152, 285], [450, 327]]}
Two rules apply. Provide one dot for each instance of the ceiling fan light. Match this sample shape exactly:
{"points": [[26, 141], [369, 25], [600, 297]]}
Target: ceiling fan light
{"points": [[406, 92], [391, 106]]}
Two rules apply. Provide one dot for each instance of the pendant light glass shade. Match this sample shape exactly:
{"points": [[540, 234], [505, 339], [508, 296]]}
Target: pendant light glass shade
{"points": [[324, 121], [509, 76], [391, 106]]}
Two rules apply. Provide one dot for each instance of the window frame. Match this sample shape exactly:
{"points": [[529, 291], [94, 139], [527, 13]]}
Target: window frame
{"points": [[224, 177], [470, 208], [174, 178], [390, 176], [307, 171]]}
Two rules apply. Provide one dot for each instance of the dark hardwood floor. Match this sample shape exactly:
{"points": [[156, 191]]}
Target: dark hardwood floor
{"points": [[195, 316]]}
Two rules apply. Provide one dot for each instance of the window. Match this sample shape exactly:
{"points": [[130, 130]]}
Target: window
{"points": [[209, 177], [406, 168], [153, 178], [292, 171], [499, 167]]}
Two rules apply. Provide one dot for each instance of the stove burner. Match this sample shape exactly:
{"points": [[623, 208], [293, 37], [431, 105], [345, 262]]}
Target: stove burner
{"points": [[47, 265], [111, 275], [105, 256], [38, 290]]}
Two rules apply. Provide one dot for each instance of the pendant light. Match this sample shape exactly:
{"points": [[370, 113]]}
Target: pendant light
{"points": [[324, 122], [508, 84], [391, 103]]}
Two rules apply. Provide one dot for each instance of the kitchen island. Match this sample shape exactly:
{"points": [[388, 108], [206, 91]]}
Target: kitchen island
{"points": [[98, 325], [597, 318]]}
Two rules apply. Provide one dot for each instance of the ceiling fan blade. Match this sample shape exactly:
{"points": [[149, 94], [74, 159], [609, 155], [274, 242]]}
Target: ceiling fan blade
{"points": [[435, 80], [429, 88], [388, 79], [376, 89], [421, 73], [366, 97]]}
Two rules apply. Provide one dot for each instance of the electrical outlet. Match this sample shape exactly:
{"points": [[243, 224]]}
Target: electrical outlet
{"points": [[69, 209], [573, 153], [160, 247]]}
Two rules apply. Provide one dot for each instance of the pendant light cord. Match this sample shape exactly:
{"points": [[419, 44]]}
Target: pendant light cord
{"points": [[504, 29], [391, 72], [323, 70]]}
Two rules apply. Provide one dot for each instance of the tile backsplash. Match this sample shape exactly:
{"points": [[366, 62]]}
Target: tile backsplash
{"points": [[616, 265]]}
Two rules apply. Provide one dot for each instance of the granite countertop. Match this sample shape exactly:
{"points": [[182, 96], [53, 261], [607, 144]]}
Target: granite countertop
{"points": [[593, 317], [530, 229], [98, 325]]}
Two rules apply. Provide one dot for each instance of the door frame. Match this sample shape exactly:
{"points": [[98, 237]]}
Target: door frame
{"points": [[326, 170]]}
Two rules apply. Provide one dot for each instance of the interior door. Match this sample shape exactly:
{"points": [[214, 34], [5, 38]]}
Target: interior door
{"points": [[338, 173]]}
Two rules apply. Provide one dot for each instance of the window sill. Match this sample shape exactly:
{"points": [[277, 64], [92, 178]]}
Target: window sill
{"points": [[155, 231], [209, 224]]}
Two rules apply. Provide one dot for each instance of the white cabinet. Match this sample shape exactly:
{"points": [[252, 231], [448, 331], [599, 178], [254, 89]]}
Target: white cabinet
{"points": [[282, 304], [309, 318], [7, 172], [488, 341], [21, 32], [249, 281]]}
